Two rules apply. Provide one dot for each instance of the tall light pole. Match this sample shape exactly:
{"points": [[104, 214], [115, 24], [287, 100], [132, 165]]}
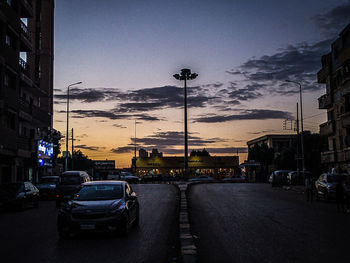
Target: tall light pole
{"points": [[301, 122], [185, 75], [67, 139]]}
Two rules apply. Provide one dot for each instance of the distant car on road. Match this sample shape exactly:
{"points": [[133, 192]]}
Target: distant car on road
{"points": [[18, 195], [280, 177], [100, 206], [202, 178], [326, 185], [70, 183], [47, 186]]}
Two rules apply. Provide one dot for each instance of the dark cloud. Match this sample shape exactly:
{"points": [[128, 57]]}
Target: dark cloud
{"points": [[110, 115], [333, 21], [262, 132], [91, 148], [124, 149], [251, 114], [119, 126]]}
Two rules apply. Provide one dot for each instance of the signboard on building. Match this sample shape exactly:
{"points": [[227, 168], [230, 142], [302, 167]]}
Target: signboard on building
{"points": [[45, 153]]}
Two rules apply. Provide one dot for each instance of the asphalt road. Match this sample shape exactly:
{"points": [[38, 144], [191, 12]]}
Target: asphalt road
{"points": [[30, 235], [255, 223]]}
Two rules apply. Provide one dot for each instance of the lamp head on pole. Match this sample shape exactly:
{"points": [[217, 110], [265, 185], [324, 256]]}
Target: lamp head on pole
{"points": [[185, 75]]}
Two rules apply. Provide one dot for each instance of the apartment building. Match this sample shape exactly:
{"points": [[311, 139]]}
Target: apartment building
{"points": [[26, 86], [335, 73]]}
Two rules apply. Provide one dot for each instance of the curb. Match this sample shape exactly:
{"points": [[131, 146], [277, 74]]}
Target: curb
{"points": [[187, 246]]}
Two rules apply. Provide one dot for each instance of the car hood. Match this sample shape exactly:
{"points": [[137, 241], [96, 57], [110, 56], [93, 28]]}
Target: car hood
{"points": [[100, 205]]}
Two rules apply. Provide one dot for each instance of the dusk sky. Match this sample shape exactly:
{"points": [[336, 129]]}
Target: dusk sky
{"points": [[126, 51]]}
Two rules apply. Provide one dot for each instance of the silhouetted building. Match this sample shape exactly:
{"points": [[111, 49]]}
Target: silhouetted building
{"points": [[155, 153], [216, 166], [143, 153], [335, 73], [277, 142], [25, 89]]}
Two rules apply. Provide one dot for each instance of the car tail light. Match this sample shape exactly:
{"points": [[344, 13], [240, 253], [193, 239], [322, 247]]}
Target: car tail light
{"points": [[57, 196]]}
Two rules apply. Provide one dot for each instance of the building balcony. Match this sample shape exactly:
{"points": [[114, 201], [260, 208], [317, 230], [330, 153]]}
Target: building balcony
{"points": [[345, 120], [327, 128], [41, 116], [26, 42], [325, 102], [323, 74], [347, 154], [26, 8], [328, 157], [24, 66], [25, 107]]}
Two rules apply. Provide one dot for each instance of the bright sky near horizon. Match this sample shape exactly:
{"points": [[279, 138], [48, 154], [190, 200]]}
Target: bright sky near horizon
{"points": [[125, 53]]}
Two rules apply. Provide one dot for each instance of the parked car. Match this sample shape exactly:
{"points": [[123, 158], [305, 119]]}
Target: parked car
{"points": [[294, 179], [47, 186], [280, 177], [326, 185], [70, 183], [100, 206], [201, 178], [18, 195]]}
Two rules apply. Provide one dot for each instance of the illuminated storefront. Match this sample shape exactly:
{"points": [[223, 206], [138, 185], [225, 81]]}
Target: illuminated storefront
{"points": [[216, 166]]}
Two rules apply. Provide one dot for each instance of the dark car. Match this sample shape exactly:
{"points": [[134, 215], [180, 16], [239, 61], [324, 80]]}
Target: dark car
{"points": [[326, 185], [293, 178], [18, 195], [202, 178], [47, 186], [279, 177], [69, 184], [110, 206]]}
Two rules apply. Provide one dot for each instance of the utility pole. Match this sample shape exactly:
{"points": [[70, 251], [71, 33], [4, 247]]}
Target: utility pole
{"points": [[67, 138], [72, 148], [298, 170], [185, 75], [135, 152]]}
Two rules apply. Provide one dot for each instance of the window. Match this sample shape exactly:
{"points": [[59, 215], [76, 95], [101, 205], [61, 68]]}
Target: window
{"points": [[10, 120], [8, 40]]}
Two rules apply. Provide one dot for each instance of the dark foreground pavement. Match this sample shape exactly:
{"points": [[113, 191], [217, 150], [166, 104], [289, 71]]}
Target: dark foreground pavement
{"points": [[30, 236], [255, 223]]}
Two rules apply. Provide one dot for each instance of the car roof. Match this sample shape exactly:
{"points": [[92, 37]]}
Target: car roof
{"points": [[50, 176], [111, 182], [74, 173]]}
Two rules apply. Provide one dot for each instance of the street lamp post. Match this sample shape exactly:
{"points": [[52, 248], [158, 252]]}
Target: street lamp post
{"points": [[301, 122], [185, 75], [67, 139]]}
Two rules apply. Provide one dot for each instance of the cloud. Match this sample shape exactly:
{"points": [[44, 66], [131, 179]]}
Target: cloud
{"points": [[250, 114], [333, 21], [119, 126], [124, 149], [91, 148], [262, 132], [79, 114]]}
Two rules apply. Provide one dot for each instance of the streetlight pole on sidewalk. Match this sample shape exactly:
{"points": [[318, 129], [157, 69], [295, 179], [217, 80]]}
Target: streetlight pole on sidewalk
{"points": [[185, 75], [301, 122], [67, 139]]}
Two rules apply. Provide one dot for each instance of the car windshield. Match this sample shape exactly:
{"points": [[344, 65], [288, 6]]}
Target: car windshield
{"points": [[332, 178], [70, 179], [100, 192], [11, 188], [49, 180]]}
